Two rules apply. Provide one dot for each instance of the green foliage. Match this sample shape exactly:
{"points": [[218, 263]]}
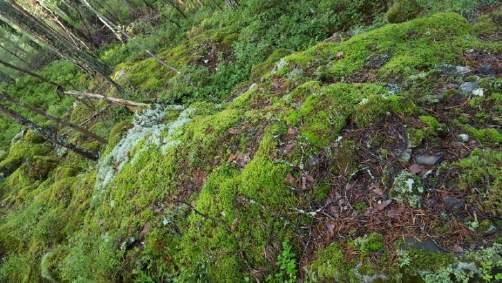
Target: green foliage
{"points": [[403, 10], [287, 265]]}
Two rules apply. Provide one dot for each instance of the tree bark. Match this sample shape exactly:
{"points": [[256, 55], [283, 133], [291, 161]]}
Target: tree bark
{"points": [[48, 134], [24, 71], [113, 100], [59, 121]]}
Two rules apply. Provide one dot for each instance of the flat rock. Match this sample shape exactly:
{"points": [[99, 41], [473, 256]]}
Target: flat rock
{"points": [[426, 245], [428, 159], [468, 88], [453, 203]]}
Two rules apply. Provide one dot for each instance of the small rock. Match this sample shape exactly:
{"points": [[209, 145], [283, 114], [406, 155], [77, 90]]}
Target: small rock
{"points": [[461, 70], [408, 188], [405, 156], [426, 245], [453, 203], [478, 92], [393, 88], [487, 70], [377, 61], [463, 137], [468, 87], [416, 169], [428, 159], [453, 70]]}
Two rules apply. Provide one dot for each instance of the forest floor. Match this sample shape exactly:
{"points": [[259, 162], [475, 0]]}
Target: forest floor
{"points": [[372, 156]]}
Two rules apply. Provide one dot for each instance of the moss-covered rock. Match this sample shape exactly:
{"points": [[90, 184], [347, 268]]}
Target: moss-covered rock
{"points": [[408, 189]]}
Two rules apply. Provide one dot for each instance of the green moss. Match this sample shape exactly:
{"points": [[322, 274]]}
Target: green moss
{"points": [[368, 244], [481, 171], [413, 261], [20, 151], [116, 134], [487, 135], [329, 265], [416, 136], [432, 123], [403, 10], [242, 207], [324, 114], [411, 46]]}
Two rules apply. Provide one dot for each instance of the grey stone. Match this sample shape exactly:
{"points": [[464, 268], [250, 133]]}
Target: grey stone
{"points": [[428, 159], [426, 245], [405, 156], [463, 137], [468, 87], [453, 203]]}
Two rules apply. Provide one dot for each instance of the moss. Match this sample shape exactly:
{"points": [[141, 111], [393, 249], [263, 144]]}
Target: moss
{"points": [[403, 10], [368, 244], [330, 265], [416, 136], [414, 261], [487, 135], [416, 45], [242, 208], [116, 135], [481, 171], [20, 151], [408, 188], [324, 114], [432, 123], [261, 69]]}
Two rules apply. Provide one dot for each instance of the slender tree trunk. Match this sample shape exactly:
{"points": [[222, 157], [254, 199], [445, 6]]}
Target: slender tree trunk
{"points": [[176, 7], [61, 45], [24, 71], [47, 134], [59, 121], [113, 100], [6, 78], [109, 24], [13, 54]]}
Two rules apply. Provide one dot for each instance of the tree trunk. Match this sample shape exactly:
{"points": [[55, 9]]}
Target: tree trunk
{"points": [[113, 100], [109, 24], [24, 71], [59, 44], [47, 134], [13, 54], [59, 121]]}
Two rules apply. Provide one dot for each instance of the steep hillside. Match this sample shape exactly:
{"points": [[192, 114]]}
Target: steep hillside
{"points": [[371, 156]]}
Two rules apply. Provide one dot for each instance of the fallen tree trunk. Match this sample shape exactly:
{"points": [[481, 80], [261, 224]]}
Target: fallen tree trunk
{"points": [[112, 100], [48, 134], [58, 120]]}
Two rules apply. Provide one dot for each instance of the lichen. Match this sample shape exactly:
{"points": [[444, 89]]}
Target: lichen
{"points": [[408, 188]]}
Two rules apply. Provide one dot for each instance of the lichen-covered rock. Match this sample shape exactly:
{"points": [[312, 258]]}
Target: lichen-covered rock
{"points": [[408, 188]]}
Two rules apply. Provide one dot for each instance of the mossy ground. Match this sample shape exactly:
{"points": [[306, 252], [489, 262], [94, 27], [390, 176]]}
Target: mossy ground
{"points": [[300, 156]]}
